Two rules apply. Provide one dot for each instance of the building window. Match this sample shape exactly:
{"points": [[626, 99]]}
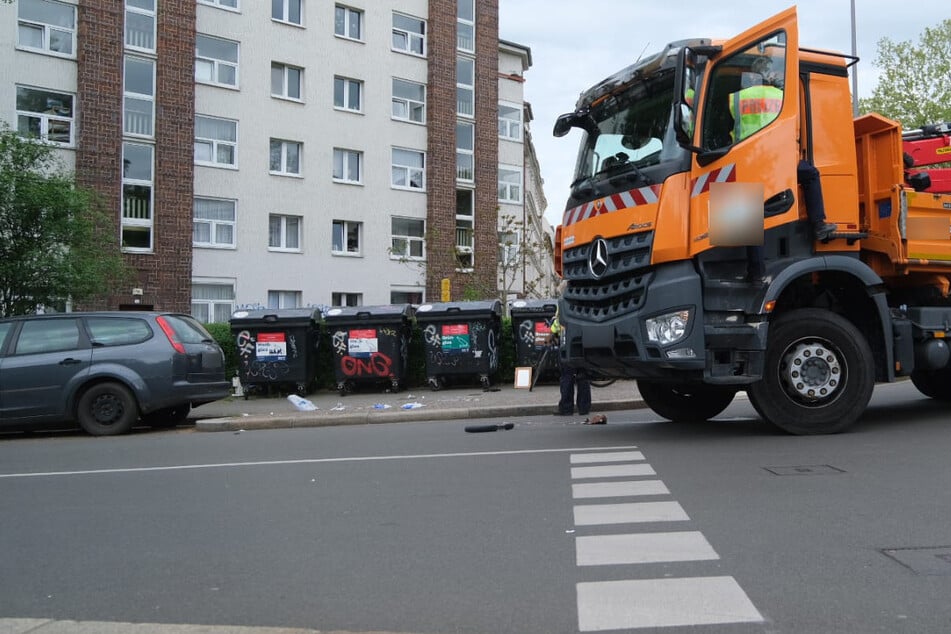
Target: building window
{"points": [[44, 114], [465, 224], [465, 26], [348, 166], [285, 157], [510, 185], [510, 122], [409, 34], [286, 81], [406, 297], [216, 61], [212, 303], [138, 107], [409, 101], [465, 86], [214, 223], [137, 179], [347, 299], [348, 22], [226, 4], [408, 169], [283, 233], [287, 11], [409, 240], [509, 242], [216, 142], [465, 144], [283, 299], [140, 25], [348, 94], [346, 237], [47, 26]]}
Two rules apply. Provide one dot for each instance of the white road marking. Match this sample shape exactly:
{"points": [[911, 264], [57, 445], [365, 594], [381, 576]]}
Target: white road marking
{"points": [[612, 471], [629, 513], [642, 548], [617, 456], [642, 603], [618, 489], [50, 626], [262, 463]]}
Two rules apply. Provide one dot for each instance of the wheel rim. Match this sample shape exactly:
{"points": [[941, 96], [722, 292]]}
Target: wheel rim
{"points": [[107, 409], [813, 372]]}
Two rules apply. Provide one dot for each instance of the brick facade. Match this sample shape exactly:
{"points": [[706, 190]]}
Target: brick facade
{"points": [[165, 274]]}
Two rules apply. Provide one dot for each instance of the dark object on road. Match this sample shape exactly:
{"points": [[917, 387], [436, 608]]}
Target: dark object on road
{"points": [[597, 419], [105, 370], [478, 429]]}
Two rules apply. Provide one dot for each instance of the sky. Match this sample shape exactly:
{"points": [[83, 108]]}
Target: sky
{"points": [[576, 44]]}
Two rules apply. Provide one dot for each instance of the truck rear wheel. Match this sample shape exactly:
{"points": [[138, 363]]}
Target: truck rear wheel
{"points": [[933, 383], [686, 403], [818, 376]]}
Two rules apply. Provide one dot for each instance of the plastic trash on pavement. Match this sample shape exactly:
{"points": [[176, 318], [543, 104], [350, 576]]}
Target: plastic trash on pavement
{"points": [[412, 405], [301, 403]]}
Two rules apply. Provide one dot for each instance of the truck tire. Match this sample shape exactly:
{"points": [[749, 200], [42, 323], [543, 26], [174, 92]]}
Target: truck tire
{"points": [[107, 409], [818, 375], [686, 403], [933, 383]]}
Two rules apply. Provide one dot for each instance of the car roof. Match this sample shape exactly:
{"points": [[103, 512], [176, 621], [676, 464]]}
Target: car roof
{"points": [[97, 313]]}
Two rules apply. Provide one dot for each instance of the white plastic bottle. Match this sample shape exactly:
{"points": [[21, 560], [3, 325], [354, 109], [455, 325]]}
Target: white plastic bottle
{"points": [[301, 403]]}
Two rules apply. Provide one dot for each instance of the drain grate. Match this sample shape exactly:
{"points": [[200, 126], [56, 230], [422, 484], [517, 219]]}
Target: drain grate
{"points": [[930, 561], [821, 469]]}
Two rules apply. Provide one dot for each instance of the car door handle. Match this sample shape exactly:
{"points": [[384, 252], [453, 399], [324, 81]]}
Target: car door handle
{"points": [[70, 361], [778, 204]]}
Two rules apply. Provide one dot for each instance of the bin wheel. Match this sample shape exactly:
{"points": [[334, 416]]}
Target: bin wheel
{"points": [[485, 381], [302, 389], [435, 383], [345, 387], [394, 385]]}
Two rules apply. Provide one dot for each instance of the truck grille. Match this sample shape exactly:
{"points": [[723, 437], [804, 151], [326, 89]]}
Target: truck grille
{"points": [[620, 289]]}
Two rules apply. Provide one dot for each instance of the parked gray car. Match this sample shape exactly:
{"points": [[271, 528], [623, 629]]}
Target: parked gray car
{"points": [[106, 370]]}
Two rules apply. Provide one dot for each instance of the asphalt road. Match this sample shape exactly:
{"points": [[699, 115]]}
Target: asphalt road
{"points": [[638, 525]]}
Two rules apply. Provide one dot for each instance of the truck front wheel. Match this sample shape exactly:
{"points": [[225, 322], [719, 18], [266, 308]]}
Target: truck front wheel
{"points": [[818, 375], [686, 403]]}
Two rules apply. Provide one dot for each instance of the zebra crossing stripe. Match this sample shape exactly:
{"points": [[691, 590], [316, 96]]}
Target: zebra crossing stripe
{"points": [[612, 471], [618, 489], [629, 513], [613, 456], [642, 548]]}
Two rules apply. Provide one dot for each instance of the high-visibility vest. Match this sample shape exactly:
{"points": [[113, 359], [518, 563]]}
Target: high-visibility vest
{"points": [[753, 108]]}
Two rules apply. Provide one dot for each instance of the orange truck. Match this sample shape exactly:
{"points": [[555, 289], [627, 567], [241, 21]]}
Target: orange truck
{"points": [[673, 207]]}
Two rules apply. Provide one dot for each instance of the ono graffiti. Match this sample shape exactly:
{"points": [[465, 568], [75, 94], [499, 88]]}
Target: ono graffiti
{"points": [[377, 364]]}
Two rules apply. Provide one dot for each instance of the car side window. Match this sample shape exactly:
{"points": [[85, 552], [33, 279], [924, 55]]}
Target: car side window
{"points": [[5, 329], [48, 335], [117, 331]]}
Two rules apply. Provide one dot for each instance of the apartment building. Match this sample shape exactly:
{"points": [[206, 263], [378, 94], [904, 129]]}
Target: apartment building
{"points": [[286, 153]]}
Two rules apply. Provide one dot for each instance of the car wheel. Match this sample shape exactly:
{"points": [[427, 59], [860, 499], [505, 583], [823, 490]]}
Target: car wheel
{"points": [[818, 376], [686, 403], [107, 409], [167, 417]]}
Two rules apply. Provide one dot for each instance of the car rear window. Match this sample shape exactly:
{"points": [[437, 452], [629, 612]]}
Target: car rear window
{"points": [[117, 331], [48, 335], [187, 329]]}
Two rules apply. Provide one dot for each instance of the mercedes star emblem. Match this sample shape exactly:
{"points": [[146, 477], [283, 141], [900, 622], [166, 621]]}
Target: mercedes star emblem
{"points": [[598, 258]]}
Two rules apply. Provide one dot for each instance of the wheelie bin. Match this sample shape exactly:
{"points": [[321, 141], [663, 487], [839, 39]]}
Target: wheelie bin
{"points": [[531, 333], [277, 349], [370, 345], [461, 339]]}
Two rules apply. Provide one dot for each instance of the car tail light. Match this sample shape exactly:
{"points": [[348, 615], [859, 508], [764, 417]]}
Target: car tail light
{"points": [[170, 333]]}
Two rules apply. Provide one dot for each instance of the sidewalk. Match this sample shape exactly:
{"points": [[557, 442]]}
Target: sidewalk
{"points": [[422, 404]]}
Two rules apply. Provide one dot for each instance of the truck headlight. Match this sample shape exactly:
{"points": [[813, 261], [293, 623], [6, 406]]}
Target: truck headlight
{"points": [[669, 328]]}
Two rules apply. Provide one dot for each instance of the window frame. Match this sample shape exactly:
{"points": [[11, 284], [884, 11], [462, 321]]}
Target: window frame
{"points": [[285, 11], [510, 123], [410, 36], [346, 83], [508, 185], [349, 11], [460, 22], [130, 221], [337, 297], [462, 88], [345, 178], [46, 30], [285, 145], [146, 98], [345, 227], [283, 248], [465, 152], [46, 118], [217, 63], [218, 5], [409, 169], [285, 70], [408, 102], [149, 13], [214, 224], [211, 303], [409, 240], [282, 296], [215, 143]]}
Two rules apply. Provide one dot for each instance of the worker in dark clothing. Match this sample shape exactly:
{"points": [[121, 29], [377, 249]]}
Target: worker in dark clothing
{"points": [[571, 379]]}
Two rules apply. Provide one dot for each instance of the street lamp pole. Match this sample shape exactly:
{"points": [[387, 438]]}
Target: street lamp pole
{"points": [[855, 69]]}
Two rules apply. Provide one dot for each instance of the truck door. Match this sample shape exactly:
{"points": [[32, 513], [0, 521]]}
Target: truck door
{"points": [[748, 127]]}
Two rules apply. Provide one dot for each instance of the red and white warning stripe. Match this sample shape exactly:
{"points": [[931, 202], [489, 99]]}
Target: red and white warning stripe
{"points": [[726, 174], [614, 202]]}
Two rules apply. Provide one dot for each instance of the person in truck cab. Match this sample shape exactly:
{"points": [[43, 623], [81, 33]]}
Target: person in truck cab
{"points": [[755, 106]]}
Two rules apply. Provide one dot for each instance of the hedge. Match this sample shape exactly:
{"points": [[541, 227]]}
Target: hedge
{"points": [[415, 371]]}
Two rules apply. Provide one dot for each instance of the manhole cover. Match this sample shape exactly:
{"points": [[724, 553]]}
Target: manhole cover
{"points": [[821, 469], [932, 561]]}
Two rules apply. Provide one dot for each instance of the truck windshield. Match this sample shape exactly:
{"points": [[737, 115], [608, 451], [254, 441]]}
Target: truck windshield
{"points": [[629, 130]]}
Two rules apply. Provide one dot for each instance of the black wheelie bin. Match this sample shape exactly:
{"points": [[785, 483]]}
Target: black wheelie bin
{"points": [[531, 333], [277, 349], [461, 339]]}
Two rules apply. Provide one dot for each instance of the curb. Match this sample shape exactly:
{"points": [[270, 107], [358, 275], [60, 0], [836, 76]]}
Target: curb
{"points": [[300, 420]]}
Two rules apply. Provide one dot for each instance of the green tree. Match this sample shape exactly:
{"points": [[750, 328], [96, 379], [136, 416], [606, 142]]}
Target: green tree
{"points": [[915, 85], [57, 242]]}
